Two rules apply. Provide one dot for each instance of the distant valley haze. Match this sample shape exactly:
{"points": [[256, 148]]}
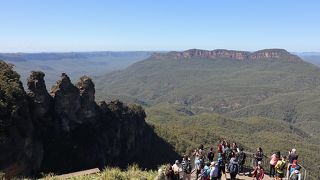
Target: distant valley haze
{"points": [[93, 64]]}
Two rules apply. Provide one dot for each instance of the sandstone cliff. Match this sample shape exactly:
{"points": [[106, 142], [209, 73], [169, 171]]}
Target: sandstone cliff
{"points": [[67, 130], [276, 54]]}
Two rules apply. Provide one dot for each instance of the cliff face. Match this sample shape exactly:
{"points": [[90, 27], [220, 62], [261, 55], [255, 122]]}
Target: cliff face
{"points": [[67, 130], [16, 127], [276, 54]]}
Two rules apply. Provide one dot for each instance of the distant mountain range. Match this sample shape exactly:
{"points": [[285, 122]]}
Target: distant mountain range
{"points": [[75, 63], [99, 63], [168, 76], [237, 83]]}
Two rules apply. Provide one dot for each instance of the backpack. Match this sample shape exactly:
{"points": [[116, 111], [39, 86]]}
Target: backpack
{"points": [[215, 172], [201, 162], [241, 157], [210, 155], [187, 169], [206, 173], [220, 162], [233, 168], [228, 153], [282, 166]]}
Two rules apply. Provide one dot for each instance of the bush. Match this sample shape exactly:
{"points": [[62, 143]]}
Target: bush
{"points": [[110, 173]]}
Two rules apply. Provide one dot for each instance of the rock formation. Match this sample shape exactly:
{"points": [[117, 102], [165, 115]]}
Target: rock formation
{"points": [[88, 109], [277, 54], [67, 130], [66, 103]]}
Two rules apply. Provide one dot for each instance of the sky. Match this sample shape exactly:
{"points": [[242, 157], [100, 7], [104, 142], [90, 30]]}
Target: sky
{"points": [[158, 25]]}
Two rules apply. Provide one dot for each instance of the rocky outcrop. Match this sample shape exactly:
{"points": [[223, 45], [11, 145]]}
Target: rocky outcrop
{"points": [[39, 98], [88, 108], [67, 130], [280, 54], [66, 103], [276, 54]]}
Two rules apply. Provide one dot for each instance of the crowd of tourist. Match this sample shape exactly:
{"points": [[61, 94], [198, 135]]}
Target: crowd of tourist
{"points": [[229, 158]]}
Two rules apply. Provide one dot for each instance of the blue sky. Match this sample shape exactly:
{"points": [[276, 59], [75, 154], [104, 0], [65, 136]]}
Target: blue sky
{"points": [[118, 25]]}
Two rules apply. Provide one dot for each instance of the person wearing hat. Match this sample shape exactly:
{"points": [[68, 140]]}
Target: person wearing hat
{"points": [[176, 170], [258, 172]]}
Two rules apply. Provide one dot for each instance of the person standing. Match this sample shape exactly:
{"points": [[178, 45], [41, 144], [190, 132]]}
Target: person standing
{"points": [[222, 166], [169, 174], [259, 155], [205, 173], [274, 159], [220, 147], [235, 147], [241, 159], [233, 167], [186, 168], [280, 167], [294, 170], [215, 172], [176, 170], [210, 155], [227, 154], [293, 155]]}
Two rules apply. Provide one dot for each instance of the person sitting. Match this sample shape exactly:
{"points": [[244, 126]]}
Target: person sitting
{"points": [[258, 172]]}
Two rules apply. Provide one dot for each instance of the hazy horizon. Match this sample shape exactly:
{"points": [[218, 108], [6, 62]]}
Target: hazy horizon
{"points": [[98, 51]]}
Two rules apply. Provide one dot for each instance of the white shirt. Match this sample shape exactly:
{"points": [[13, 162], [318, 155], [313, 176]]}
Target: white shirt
{"points": [[176, 168]]}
